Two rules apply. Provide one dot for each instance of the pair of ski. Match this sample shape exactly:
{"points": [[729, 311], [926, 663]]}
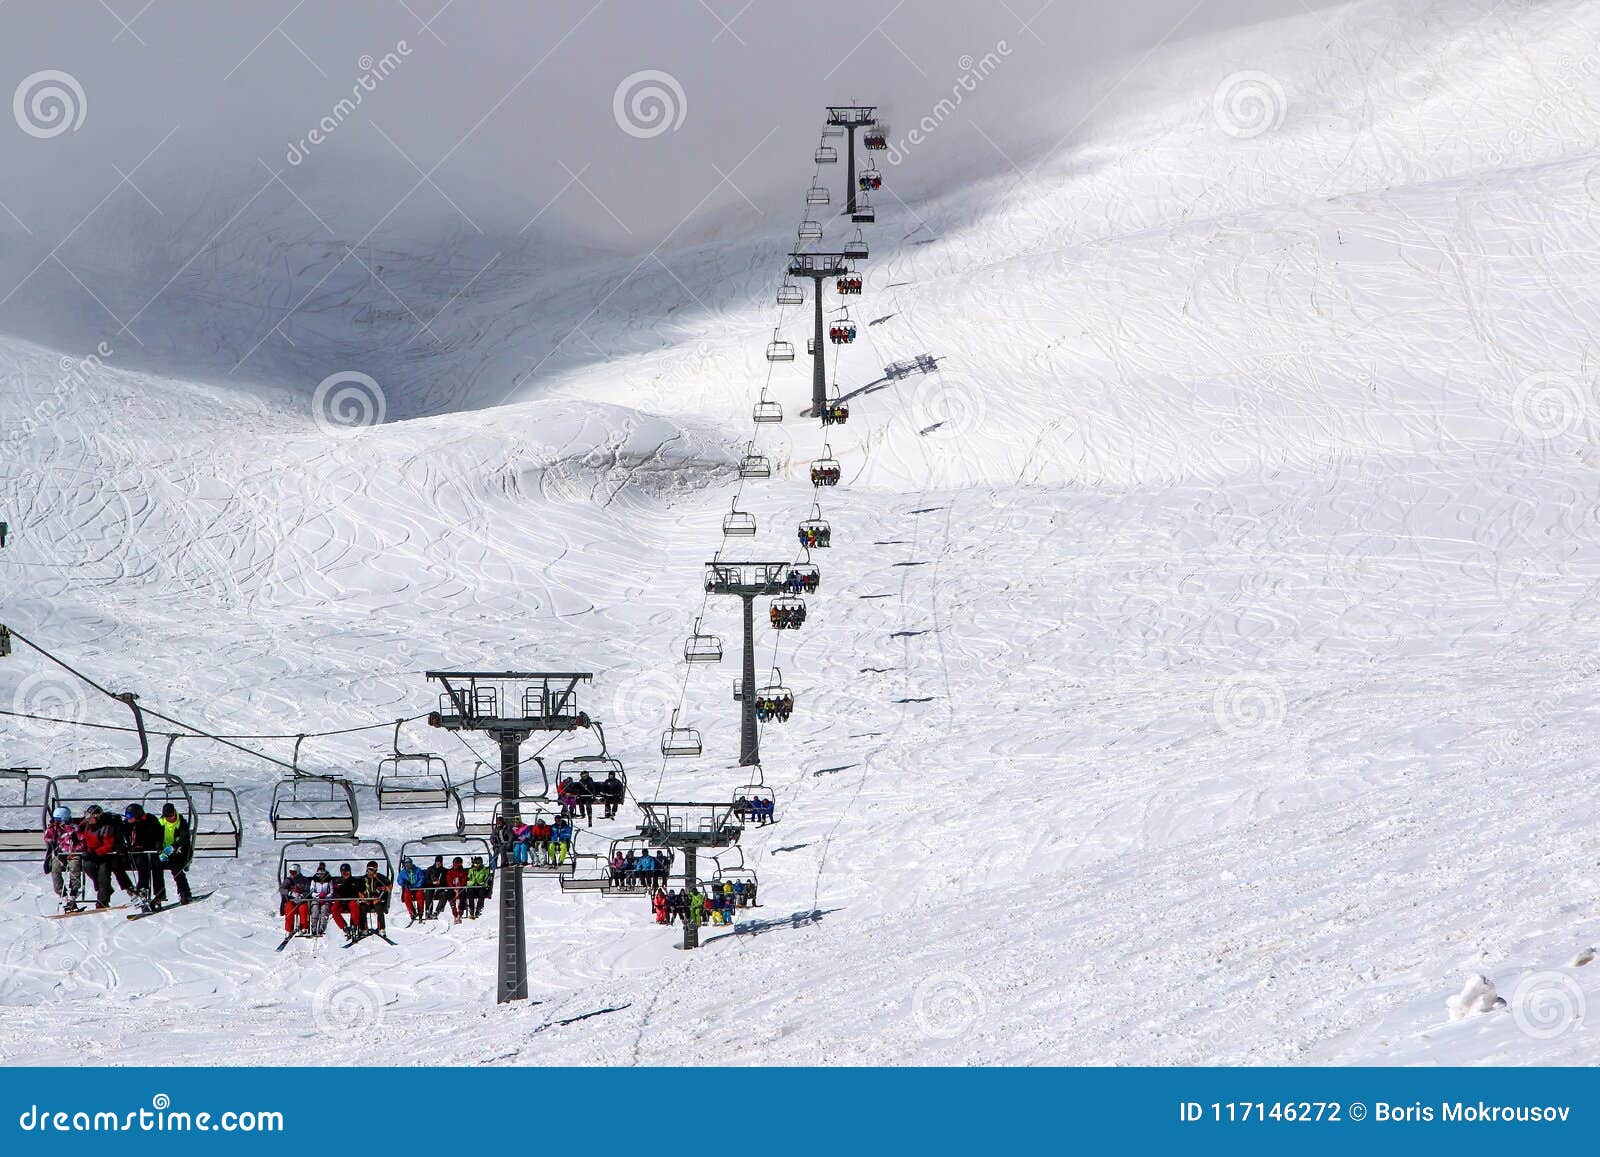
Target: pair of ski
{"points": [[350, 943], [153, 910]]}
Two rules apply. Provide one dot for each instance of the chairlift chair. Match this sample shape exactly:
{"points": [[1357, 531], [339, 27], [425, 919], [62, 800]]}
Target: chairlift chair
{"points": [[814, 532], [531, 811], [114, 788], [779, 350], [738, 524], [333, 851], [738, 690], [423, 849], [790, 294], [478, 806], [215, 828], [750, 793], [876, 136], [849, 285], [766, 411], [804, 578], [702, 648], [835, 413], [745, 884], [313, 805], [774, 702], [410, 781], [817, 195], [589, 873], [787, 613], [856, 247], [810, 230], [680, 741], [754, 465], [826, 155], [23, 795], [869, 178], [825, 471], [864, 214]]}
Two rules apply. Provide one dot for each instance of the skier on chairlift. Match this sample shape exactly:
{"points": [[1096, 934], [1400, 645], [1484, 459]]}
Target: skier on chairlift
{"points": [[412, 882], [321, 889], [295, 896], [63, 853]]}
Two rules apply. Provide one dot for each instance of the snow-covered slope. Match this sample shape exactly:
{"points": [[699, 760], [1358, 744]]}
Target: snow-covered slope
{"points": [[1202, 671]]}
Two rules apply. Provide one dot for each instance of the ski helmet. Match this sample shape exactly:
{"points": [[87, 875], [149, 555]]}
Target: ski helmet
{"points": [[62, 813], [133, 812], [94, 809]]}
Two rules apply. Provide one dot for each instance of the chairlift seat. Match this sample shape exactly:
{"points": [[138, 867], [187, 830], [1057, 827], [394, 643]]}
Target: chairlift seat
{"points": [[314, 805], [411, 781]]}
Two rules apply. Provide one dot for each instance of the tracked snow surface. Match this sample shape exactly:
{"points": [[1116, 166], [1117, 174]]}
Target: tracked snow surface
{"points": [[1204, 669]]}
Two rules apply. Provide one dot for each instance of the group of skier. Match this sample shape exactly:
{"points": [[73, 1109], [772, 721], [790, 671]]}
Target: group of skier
{"points": [[712, 903], [102, 847], [815, 537], [842, 334], [778, 707], [539, 842], [648, 868], [801, 582], [463, 888], [358, 905], [763, 811], [578, 797], [787, 616]]}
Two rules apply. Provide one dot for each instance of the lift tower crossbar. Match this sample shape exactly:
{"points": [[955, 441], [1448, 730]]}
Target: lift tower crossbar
{"points": [[510, 706], [819, 267]]}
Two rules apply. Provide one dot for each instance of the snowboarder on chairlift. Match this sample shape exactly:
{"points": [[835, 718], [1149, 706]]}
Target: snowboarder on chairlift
{"points": [[177, 850]]}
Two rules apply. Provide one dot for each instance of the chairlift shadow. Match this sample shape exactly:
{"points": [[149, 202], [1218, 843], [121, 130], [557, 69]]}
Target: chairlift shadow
{"points": [[795, 921]]}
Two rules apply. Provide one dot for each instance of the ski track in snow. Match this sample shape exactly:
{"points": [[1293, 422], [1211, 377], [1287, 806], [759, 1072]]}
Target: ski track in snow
{"points": [[1201, 673]]}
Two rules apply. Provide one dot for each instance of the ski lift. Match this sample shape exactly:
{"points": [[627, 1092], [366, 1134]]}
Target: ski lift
{"points": [[774, 702], [876, 136], [843, 331], [869, 178], [705, 825], [817, 195], [737, 524], [856, 247], [790, 294], [755, 803], [594, 874], [23, 817], [803, 579], [825, 471], [700, 648], [779, 350], [835, 413], [787, 613], [810, 230], [449, 846], [830, 131], [738, 690], [765, 412], [412, 780], [754, 465], [679, 741], [742, 880], [589, 873], [312, 805], [850, 284], [815, 533], [333, 851], [826, 155], [863, 214], [101, 786]]}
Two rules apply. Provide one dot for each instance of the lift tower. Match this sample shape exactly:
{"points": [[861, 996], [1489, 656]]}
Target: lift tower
{"points": [[819, 267], [851, 117], [489, 701], [688, 827], [747, 581]]}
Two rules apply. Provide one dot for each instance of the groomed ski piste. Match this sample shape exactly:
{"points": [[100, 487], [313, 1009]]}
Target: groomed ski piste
{"points": [[1204, 667]]}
